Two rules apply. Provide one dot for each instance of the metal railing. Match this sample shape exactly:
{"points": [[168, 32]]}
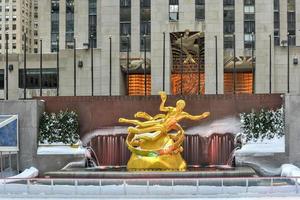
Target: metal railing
{"points": [[8, 160], [244, 186]]}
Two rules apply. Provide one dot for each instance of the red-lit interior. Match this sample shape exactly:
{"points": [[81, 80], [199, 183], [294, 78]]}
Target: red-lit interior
{"points": [[137, 84], [243, 82]]}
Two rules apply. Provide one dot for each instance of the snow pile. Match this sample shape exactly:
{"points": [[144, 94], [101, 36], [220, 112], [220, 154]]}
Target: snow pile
{"points": [[26, 174], [290, 170], [226, 125], [60, 150], [266, 146]]}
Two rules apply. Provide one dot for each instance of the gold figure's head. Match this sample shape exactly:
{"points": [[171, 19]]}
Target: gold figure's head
{"points": [[180, 105]]}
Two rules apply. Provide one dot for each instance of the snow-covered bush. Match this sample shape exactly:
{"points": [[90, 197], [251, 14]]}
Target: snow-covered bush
{"points": [[263, 124], [59, 127]]}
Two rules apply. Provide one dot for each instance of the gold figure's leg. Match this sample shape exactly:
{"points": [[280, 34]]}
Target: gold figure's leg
{"points": [[138, 123], [146, 129], [149, 137]]}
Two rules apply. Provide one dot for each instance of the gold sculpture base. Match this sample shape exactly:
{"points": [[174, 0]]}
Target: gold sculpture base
{"points": [[173, 162]]}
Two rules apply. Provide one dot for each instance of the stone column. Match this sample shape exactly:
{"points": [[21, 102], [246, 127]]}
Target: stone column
{"points": [[283, 19], [45, 24], [110, 25], [62, 23], [297, 23], [264, 24], [239, 27], [81, 22], [214, 27], [135, 29]]}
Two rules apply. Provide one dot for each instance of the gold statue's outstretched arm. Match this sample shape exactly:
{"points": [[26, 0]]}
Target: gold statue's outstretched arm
{"points": [[162, 106], [196, 117]]}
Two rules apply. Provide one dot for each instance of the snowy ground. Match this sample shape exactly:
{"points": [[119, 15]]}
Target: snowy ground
{"points": [[275, 145], [60, 150], [156, 188]]}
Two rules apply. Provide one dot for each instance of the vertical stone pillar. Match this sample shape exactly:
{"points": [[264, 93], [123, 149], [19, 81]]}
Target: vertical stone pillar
{"points": [[264, 24], [160, 24], [45, 24], [110, 25], [81, 22], [62, 23], [214, 27], [239, 27]]}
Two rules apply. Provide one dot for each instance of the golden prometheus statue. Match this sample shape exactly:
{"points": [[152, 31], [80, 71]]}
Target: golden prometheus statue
{"points": [[153, 142]]}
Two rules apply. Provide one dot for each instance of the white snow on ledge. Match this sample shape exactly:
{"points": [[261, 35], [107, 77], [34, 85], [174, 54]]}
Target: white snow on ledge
{"points": [[265, 147], [60, 150], [32, 172]]}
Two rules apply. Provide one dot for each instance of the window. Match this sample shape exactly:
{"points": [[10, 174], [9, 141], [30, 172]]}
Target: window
{"points": [[14, 45], [276, 23], [1, 79], [249, 23], [93, 23], [14, 36], [33, 77], [173, 10], [125, 3], [291, 17], [200, 10], [69, 24], [145, 28], [125, 24], [54, 24], [228, 26], [14, 27], [228, 21], [228, 2]]}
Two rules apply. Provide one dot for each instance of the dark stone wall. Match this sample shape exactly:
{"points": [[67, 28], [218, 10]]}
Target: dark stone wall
{"points": [[102, 111]]}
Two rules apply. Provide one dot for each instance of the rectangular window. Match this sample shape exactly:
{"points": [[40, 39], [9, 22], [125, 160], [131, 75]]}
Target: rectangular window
{"points": [[228, 23], [69, 24], [33, 76], [200, 10], [173, 10], [249, 23], [228, 42], [125, 3], [125, 25], [1, 79], [54, 24], [228, 2], [276, 23], [291, 17], [145, 26], [93, 23]]}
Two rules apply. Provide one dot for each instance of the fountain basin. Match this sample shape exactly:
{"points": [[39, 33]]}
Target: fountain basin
{"points": [[121, 173]]}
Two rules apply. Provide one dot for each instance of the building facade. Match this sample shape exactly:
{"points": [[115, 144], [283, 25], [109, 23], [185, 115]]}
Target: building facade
{"points": [[189, 46], [16, 20]]}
